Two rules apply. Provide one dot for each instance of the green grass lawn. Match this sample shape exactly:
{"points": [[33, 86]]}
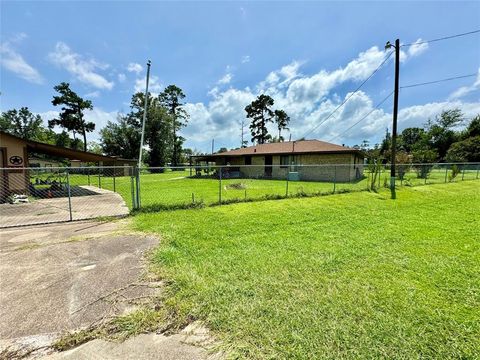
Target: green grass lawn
{"points": [[346, 276], [177, 188]]}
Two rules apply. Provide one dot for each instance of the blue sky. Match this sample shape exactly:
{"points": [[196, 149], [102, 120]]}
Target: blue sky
{"points": [[307, 55]]}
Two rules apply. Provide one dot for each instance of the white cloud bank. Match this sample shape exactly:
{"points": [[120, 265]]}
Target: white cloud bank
{"points": [[85, 70], [14, 62], [309, 99], [134, 67]]}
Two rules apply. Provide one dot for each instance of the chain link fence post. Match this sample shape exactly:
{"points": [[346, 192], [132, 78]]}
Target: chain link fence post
{"points": [[478, 170], [132, 187], [286, 190], [334, 178], [220, 186], [69, 196], [446, 173], [138, 195], [114, 185]]}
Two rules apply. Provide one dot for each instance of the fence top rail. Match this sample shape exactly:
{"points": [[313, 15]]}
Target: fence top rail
{"points": [[84, 168]]}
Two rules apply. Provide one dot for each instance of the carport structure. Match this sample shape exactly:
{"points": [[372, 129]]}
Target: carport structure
{"points": [[52, 197]]}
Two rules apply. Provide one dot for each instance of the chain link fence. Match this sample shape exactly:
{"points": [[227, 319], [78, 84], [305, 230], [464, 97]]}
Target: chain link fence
{"points": [[44, 195], [196, 186]]}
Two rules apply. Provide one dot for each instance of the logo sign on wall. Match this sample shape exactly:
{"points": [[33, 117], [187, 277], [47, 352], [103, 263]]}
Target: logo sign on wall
{"points": [[15, 160]]}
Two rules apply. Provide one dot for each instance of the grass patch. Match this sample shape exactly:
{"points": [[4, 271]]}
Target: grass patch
{"points": [[357, 275], [140, 321]]}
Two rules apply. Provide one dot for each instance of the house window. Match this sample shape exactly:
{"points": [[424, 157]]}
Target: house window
{"points": [[248, 160], [288, 161]]}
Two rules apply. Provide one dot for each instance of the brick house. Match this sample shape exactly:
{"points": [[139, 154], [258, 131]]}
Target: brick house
{"points": [[295, 159]]}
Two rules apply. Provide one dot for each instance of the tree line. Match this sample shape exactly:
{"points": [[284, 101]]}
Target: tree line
{"points": [[449, 137], [165, 117]]}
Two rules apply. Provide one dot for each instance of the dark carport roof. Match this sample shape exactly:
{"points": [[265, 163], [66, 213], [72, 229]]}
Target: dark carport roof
{"points": [[71, 154]]}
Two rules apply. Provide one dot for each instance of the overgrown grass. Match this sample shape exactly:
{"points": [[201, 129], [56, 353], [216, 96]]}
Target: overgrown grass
{"points": [[348, 276], [119, 328]]}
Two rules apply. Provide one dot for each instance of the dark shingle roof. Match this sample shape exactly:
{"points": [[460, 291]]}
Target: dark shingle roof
{"points": [[290, 147]]}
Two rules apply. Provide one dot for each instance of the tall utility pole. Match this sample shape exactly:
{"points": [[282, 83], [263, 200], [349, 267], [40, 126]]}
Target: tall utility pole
{"points": [[213, 144], [242, 133], [144, 116], [395, 113]]}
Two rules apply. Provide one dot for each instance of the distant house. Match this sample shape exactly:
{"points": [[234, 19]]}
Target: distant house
{"points": [[279, 160]]}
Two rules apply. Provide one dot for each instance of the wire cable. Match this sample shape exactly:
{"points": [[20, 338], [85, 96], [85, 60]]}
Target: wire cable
{"points": [[438, 81], [348, 98], [442, 38], [401, 87], [364, 117]]}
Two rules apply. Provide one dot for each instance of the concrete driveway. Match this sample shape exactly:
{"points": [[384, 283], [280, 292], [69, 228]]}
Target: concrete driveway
{"points": [[63, 277], [87, 202]]}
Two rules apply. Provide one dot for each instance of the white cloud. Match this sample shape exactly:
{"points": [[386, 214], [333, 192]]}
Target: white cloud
{"points": [[134, 67], [225, 79], [83, 69], [93, 94], [14, 62], [121, 77], [417, 48], [154, 85], [309, 99], [245, 59], [465, 90], [98, 116]]}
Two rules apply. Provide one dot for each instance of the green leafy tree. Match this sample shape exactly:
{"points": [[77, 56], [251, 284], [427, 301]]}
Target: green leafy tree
{"points": [[22, 123], [171, 98], [120, 138], [158, 129], [281, 120], [63, 140], [260, 113], [473, 128], [412, 138], [467, 150], [95, 147], [441, 133], [71, 116]]}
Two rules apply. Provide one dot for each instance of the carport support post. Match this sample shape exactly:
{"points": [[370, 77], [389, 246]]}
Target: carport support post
{"points": [[69, 196]]}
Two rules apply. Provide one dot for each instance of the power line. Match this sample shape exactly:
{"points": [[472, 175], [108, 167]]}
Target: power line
{"points": [[402, 87], [442, 38], [353, 93], [363, 118], [438, 81]]}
